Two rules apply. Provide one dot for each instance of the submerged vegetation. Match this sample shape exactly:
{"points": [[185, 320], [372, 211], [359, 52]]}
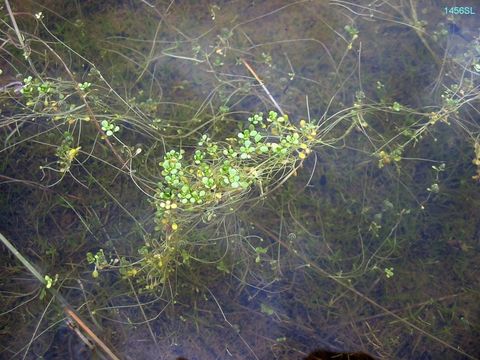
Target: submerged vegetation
{"points": [[169, 170]]}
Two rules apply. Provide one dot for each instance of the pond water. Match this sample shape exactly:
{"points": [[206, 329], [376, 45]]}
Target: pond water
{"points": [[355, 251]]}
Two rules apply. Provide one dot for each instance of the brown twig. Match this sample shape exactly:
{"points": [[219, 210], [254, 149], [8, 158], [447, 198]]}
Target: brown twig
{"points": [[73, 315], [247, 65], [66, 307]]}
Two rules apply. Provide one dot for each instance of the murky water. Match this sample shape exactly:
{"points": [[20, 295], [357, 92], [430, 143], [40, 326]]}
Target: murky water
{"points": [[358, 257]]}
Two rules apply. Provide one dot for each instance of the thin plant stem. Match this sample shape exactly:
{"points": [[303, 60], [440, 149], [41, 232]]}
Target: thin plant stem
{"points": [[66, 307]]}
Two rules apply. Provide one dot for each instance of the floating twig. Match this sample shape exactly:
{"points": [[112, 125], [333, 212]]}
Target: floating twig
{"points": [[263, 86], [68, 310]]}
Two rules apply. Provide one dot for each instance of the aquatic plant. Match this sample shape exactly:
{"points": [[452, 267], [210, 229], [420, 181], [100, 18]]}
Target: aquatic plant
{"points": [[154, 177], [213, 181]]}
